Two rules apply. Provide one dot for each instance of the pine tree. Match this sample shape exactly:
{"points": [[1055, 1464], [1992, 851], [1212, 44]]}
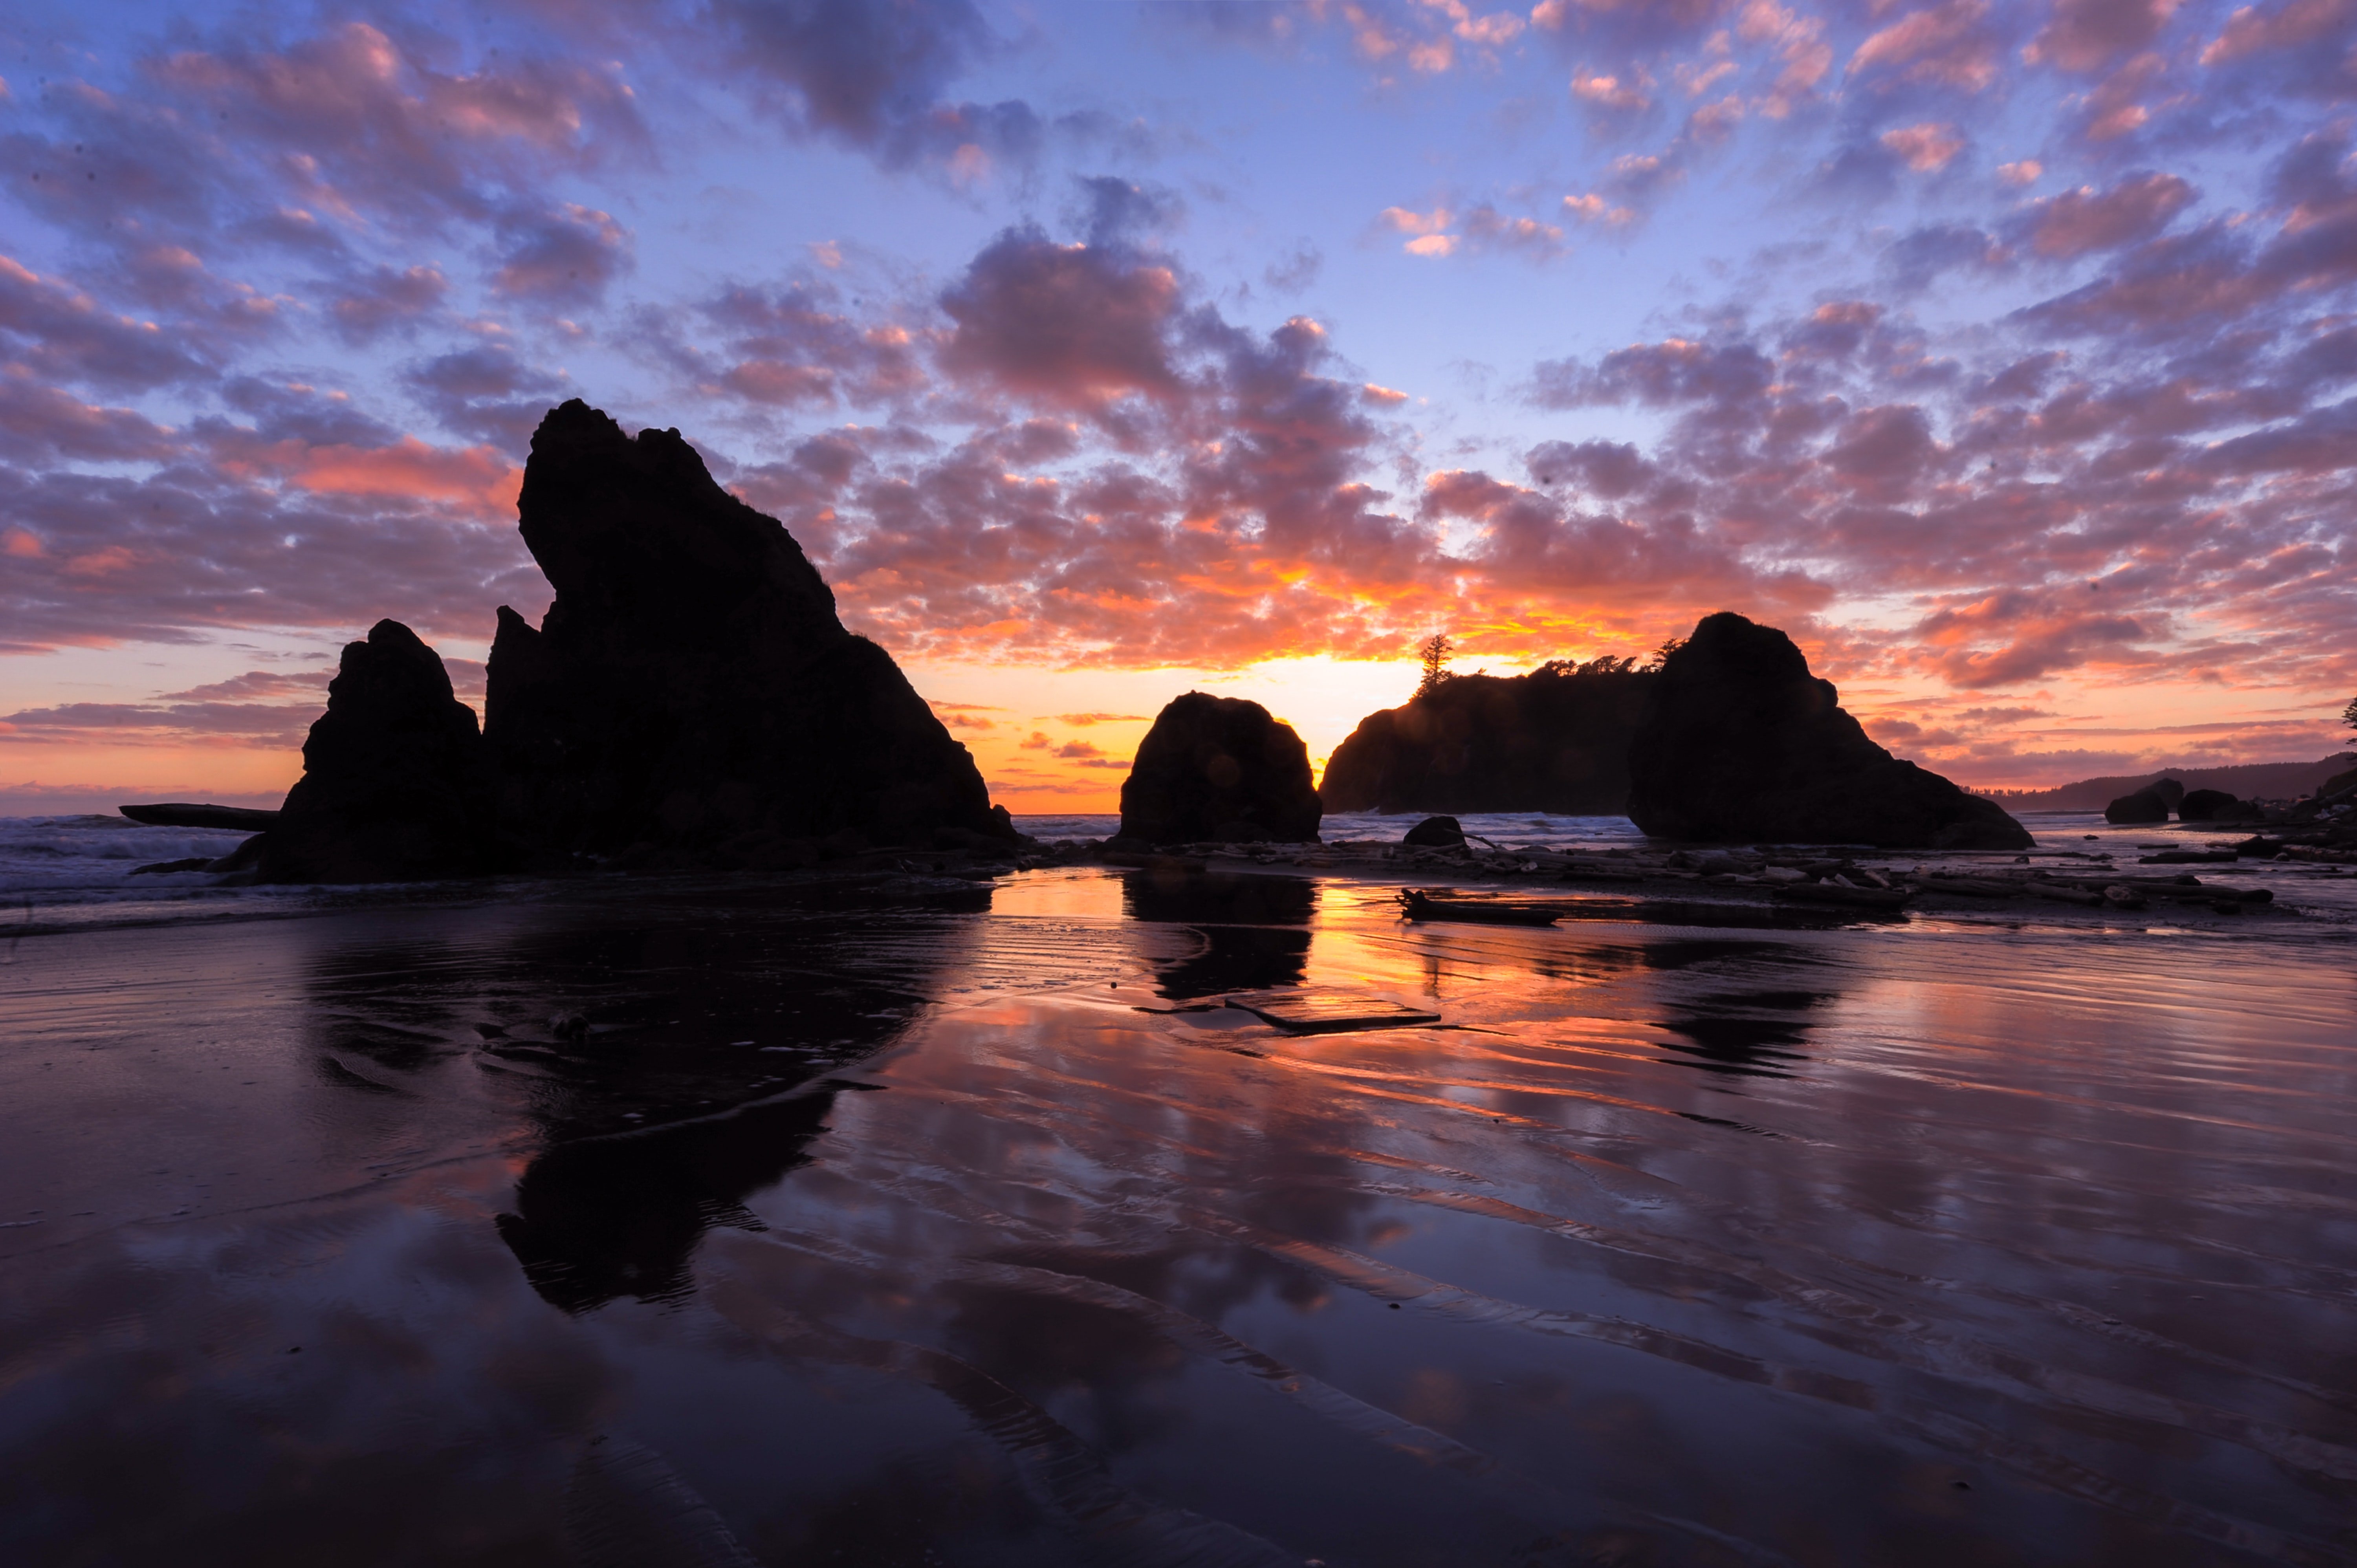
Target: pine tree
{"points": [[1433, 651]]}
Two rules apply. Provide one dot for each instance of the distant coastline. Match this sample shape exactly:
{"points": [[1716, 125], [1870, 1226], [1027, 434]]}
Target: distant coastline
{"points": [[2249, 781]]}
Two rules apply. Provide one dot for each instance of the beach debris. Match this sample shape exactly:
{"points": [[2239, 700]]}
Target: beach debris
{"points": [[1316, 1010], [2120, 895], [491, 1031], [1742, 743], [1219, 770], [1846, 894]]}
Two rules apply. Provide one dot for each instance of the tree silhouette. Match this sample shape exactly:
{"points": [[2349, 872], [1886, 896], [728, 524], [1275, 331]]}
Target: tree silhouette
{"points": [[1433, 651]]}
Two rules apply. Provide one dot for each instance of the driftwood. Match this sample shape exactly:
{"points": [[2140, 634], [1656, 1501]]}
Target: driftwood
{"points": [[1422, 906]]}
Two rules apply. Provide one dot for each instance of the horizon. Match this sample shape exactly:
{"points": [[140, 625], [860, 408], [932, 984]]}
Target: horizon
{"points": [[1099, 353]]}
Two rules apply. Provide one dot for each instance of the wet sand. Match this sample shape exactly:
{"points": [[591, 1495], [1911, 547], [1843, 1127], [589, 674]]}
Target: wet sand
{"points": [[959, 1225]]}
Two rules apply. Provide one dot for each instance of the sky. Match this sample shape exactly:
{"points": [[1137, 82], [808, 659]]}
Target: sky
{"points": [[2004, 355]]}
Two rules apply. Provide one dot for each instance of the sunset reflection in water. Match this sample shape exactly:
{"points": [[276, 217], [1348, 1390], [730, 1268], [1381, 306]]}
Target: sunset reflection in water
{"points": [[970, 1230]]}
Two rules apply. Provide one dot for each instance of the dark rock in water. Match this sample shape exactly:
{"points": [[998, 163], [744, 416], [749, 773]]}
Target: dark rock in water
{"points": [[245, 857], [692, 682], [1438, 832], [1554, 740], [2170, 792], [1743, 745], [1214, 764], [394, 787], [172, 867], [2206, 806], [186, 814], [2144, 806]]}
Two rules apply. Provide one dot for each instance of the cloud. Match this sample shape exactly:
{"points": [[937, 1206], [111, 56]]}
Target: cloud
{"points": [[1926, 148], [1480, 229], [58, 332], [2255, 30], [2086, 34], [876, 77], [1070, 326], [2085, 219], [1084, 720], [564, 255], [1947, 45], [387, 299]]}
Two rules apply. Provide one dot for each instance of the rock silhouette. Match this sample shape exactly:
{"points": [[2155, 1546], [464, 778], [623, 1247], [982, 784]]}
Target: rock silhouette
{"points": [[2208, 806], [1554, 740], [1439, 832], [1742, 743], [2147, 805], [1218, 768], [395, 784], [691, 683]]}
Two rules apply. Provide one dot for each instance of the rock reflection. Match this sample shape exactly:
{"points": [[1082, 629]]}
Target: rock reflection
{"points": [[621, 1214], [1243, 921], [701, 1077], [1749, 1034]]}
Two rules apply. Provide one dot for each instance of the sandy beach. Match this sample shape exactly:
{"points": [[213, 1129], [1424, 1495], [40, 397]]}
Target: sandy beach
{"points": [[890, 1222]]}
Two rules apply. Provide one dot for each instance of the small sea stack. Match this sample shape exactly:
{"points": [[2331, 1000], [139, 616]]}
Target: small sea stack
{"points": [[1742, 745], [1220, 769], [395, 786]]}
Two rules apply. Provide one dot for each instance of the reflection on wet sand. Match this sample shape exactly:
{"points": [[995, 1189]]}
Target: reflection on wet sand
{"points": [[918, 1232], [1254, 929]]}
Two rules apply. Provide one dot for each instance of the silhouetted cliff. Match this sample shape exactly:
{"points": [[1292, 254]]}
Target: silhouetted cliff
{"points": [[1554, 740], [692, 681]]}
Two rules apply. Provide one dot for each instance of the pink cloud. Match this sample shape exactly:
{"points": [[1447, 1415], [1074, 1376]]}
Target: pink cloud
{"points": [[1072, 325], [2086, 34], [2085, 219], [2252, 30], [1926, 148], [1948, 44]]}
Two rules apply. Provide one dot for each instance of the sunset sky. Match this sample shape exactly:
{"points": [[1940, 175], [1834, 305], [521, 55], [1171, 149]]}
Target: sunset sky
{"points": [[2004, 355]]}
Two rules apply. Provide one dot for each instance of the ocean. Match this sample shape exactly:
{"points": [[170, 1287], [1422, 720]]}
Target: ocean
{"points": [[728, 1221]]}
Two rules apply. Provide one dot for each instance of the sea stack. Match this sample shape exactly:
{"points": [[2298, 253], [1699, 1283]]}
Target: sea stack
{"points": [[691, 682], [1743, 745], [1220, 769], [1554, 740], [394, 787]]}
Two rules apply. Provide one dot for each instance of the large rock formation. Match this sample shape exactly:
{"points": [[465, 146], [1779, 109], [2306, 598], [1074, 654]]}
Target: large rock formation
{"points": [[691, 682], [1218, 768], [1742, 743], [2142, 807], [394, 786], [1554, 740]]}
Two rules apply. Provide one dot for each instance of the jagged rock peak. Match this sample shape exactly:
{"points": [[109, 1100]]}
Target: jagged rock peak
{"points": [[636, 532], [692, 684], [394, 786]]}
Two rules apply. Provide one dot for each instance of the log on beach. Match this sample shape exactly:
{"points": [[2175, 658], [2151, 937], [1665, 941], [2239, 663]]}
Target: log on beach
{"points": [[1422, 906], [188, 814], [1851, 898]]}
